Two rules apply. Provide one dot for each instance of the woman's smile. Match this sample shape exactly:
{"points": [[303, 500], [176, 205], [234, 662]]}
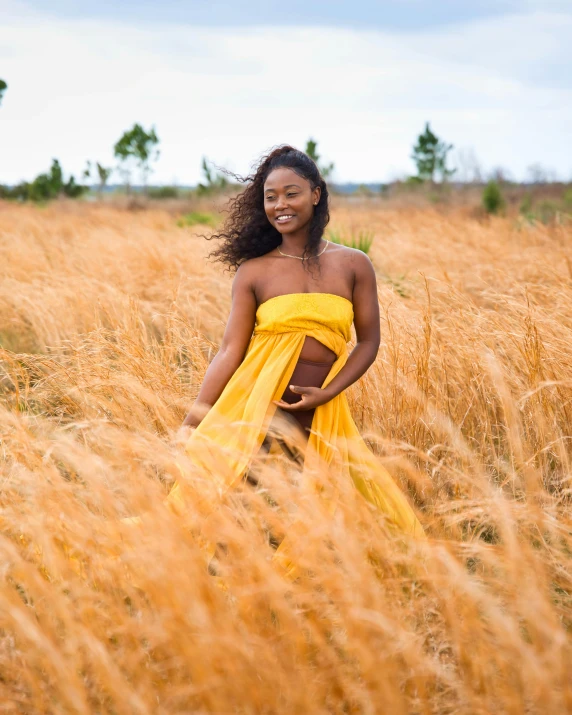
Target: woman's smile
{"points": [[284, 218]]}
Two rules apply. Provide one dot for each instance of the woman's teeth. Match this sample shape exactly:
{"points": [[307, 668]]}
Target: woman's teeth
{"points": [[284, 218]]}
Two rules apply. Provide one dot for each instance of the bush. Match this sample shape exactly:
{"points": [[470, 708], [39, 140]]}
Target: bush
{"points": [[163, 192], [196, 217], [567, 200], [493, 200]]}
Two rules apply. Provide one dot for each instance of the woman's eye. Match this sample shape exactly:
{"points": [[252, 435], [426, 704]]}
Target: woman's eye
{"points": [[290, 195]]}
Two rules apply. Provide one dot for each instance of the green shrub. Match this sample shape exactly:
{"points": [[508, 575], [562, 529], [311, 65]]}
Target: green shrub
{"points": [[163, 192], [493, 200], [196, 218], [567, 200], [362, 240]]}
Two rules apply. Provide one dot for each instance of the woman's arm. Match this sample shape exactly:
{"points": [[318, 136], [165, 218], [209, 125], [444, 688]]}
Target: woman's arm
{"points": [[236, 338], [366, 321]]}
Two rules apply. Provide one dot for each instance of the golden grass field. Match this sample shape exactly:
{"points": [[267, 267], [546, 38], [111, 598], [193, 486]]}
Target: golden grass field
{"points": [[108, 319]]}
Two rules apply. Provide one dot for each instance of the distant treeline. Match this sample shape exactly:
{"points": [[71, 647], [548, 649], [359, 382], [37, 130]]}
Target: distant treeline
{"points": [[137, 150]]}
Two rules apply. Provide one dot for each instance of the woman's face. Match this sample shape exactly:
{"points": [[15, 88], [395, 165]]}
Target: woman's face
{"points": [[289, 200]]}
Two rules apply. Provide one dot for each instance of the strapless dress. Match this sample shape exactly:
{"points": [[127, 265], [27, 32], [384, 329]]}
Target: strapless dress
{"points": [[231, 433]]}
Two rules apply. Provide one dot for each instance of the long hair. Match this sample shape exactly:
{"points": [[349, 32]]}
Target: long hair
{"points": [[247, 232]]}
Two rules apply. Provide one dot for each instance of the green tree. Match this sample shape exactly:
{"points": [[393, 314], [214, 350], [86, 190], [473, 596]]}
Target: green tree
{"points": [[3, 88], [312, 151], [139, 147], [430, 156]]}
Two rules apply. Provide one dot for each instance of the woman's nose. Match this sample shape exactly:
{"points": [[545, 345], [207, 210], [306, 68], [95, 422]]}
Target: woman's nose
{"points": [[280, 202]]}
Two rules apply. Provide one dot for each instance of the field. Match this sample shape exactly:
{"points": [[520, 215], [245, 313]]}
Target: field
{"points": [[108, 319]]}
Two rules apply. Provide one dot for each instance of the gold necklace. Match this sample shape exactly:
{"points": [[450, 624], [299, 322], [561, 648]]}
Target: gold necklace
{"points": [[301, 258]]}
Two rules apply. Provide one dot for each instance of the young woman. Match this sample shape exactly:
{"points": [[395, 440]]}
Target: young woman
{"points": [[284, 349]]}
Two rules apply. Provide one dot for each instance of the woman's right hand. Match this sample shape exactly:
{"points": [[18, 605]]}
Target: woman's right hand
{"points": [[193, 419], [196, 414]]}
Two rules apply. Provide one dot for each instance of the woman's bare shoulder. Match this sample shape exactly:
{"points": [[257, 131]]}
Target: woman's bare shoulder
{"points": [[359, 260], [255, 266], [249, 272]]}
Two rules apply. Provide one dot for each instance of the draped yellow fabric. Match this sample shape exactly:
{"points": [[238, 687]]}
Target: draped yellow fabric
{"points": [[234, 428]]}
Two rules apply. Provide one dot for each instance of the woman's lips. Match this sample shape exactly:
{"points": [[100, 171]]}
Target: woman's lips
{"points": [[284, 218]]}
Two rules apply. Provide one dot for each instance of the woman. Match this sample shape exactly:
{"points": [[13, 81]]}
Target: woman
{"points": [[298, 293]]}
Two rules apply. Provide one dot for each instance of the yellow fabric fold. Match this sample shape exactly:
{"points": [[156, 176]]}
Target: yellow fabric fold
{"points": [[233, 430]]}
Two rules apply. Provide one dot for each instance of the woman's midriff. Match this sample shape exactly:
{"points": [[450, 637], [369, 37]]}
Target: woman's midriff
{"points": [[311, 369], [316, 351]]}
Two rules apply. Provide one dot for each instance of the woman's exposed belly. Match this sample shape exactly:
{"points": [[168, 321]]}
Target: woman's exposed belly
{"points": [[313, 349]]}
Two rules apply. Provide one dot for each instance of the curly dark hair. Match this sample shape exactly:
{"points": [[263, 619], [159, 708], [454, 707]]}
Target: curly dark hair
{"points": [[247, 232]]}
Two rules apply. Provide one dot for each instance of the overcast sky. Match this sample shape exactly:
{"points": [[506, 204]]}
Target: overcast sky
{"points": [[229, 80]]}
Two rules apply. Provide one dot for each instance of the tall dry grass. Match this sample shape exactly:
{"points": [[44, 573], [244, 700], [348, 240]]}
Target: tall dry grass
{"points": [[107, 322]]}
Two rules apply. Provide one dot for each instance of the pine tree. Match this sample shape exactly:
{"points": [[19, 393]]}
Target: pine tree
{"points": [[430, 156]]}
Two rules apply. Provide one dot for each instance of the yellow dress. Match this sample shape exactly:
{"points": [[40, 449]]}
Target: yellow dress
{"points": [[233, 430]]}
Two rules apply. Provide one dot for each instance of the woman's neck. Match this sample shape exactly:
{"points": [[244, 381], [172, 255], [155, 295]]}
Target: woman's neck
{"points": [[295, 242]]}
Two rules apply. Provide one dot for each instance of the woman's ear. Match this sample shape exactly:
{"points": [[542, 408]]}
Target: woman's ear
{"points": [[316, 193]]}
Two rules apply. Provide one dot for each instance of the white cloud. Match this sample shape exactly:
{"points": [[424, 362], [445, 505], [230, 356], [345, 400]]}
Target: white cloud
{"points": [[74, 86], [533, 47]]}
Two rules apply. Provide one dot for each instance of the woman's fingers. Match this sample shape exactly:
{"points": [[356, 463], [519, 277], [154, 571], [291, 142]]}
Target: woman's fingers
{"points": [[282, 404], [293, 406], [311, 398]]}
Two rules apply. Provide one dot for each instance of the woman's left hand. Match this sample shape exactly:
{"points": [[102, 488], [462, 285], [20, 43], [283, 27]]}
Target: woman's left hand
{"points": [[312, 397]]}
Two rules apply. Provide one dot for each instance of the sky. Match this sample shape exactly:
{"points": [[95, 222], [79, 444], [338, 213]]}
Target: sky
{"points": [[230, 80]]}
